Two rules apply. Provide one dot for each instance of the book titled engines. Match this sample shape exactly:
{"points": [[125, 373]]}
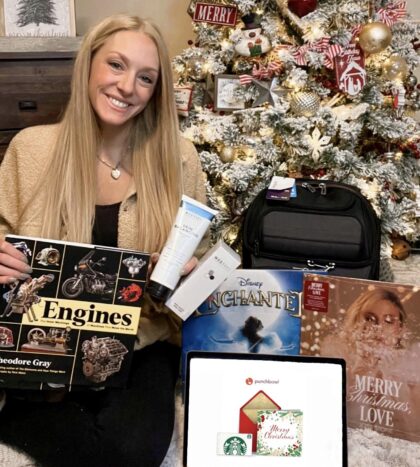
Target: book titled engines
{"points": [[74, 320]]}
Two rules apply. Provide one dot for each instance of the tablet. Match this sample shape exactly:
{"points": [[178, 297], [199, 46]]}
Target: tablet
{"points": [[264, 410]]}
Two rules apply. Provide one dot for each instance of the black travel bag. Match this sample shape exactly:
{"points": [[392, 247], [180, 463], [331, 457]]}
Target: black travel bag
{"points": [[328, 226]]}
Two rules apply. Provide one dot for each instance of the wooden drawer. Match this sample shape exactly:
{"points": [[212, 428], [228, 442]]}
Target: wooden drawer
{"points": [[33, 91], [5, 138]]}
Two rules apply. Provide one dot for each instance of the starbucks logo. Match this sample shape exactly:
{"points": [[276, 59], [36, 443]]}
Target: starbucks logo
{"points": [[234, 446]]}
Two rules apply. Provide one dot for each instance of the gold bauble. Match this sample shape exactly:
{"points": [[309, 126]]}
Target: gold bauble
{"points": [[195, 68], [395, 67], [375, 37], [305, 103], [227, 154]]}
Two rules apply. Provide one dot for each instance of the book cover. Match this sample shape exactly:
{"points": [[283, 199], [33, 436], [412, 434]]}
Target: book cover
{"points": [[255, 311], [75, 320], [375, 327]]}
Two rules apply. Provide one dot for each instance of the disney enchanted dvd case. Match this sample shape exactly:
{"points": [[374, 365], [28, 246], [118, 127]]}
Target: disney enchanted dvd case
{"points": [[253, 311]]}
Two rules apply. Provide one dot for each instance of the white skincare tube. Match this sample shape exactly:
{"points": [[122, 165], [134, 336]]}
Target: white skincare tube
{"points": [[192, 220]]}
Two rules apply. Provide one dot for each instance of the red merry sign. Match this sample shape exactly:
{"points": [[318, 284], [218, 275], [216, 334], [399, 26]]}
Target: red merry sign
{"points": [[215, 14]]}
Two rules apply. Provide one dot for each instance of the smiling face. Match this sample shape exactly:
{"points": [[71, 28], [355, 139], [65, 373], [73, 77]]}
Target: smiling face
{"points": [[123, 76]]}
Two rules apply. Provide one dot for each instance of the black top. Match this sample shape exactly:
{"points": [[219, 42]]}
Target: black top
{"points": [[105, 227]]}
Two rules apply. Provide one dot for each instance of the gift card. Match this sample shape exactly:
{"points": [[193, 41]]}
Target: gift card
{"points": [[281, 188], [281, 183], [234, 444]]}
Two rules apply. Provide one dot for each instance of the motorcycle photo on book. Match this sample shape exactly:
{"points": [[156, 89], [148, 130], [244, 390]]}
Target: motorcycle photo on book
{"points": [[89, 278]]}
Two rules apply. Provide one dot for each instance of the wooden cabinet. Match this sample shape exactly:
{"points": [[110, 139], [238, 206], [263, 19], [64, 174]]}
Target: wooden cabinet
{"points": [[34, 84]]}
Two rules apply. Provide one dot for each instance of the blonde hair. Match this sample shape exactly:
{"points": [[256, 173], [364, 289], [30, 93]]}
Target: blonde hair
{"points": [[365, 301], [157, 168]]}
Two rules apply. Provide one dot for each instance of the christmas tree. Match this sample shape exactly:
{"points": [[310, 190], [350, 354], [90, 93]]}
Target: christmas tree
{"points": [[320, 89], [35, 11]]}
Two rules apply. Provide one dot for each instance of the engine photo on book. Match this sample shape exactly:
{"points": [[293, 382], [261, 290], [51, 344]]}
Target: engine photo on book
{"points": [[253, 311], [375, 327], [74, 320]]}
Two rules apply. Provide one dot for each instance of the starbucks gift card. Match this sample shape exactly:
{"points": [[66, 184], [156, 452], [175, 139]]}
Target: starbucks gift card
{"points": [[279, 433], [234, 444]]}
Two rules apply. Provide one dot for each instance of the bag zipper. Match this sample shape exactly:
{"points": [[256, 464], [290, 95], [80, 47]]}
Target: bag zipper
{"points": [[310, 263]]}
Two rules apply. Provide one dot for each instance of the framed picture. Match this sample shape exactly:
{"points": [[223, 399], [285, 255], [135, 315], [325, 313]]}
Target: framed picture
{"points": [[227, 96], [37, 18]]}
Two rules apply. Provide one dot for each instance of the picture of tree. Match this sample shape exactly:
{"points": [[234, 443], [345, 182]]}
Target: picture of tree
{"points": [[36, 11]]}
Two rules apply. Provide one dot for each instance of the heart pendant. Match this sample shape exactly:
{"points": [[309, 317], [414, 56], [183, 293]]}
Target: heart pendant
{"points": [[115, 173]]}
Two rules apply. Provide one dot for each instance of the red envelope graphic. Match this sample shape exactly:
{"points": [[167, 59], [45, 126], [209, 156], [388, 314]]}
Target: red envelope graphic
{"points": [[249, 411]]}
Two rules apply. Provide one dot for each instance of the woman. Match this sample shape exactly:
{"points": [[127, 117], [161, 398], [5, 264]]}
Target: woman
{"points": [[111, 173], [371, 332]]}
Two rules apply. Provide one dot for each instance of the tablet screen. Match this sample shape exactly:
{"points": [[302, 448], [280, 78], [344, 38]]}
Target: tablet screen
{"points": [[246, 410]]}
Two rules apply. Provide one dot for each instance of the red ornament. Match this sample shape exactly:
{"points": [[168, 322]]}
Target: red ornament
{"points": [[350, 70], [301, 7]]}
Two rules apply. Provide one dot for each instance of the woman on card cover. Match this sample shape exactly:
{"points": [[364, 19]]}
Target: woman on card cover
{"points": [[373, 328], [381, 350], [112, 172]]}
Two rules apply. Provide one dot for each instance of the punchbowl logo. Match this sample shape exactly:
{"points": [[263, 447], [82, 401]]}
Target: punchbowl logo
{"points": [[250, 381]]}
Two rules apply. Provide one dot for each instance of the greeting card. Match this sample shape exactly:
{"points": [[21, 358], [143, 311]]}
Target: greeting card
{"points": [[248, 414], [279, 433]]}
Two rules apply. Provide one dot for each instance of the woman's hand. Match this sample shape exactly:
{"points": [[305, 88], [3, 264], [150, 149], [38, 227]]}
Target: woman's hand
{"points": [[188, 267], [13, 264], [191, 264]]}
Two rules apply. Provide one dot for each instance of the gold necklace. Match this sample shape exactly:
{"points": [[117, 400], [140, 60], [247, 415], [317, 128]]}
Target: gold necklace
{"points": [[115, 171]]}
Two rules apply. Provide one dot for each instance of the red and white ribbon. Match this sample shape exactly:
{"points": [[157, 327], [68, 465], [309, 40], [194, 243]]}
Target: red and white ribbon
{"points": [[392, 13], [262, 72], [332, 51], [321, 46], [245, 79], [267, 72]]}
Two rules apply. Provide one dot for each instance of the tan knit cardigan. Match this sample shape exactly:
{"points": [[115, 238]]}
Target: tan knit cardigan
{"points": [[29, 154]]}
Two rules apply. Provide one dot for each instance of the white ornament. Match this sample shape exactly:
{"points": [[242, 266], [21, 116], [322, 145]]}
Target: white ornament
{"points": [[317, 143], [252, 43]]}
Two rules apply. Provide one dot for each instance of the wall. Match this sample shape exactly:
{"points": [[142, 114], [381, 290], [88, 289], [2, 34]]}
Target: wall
{"points": [[170, 15]]}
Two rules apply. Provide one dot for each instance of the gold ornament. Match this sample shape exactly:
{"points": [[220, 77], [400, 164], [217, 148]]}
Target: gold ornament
{"points": [[227, 154], [375, 37], [305, 103], [400, 249], [395, 67], [195, 68]]}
